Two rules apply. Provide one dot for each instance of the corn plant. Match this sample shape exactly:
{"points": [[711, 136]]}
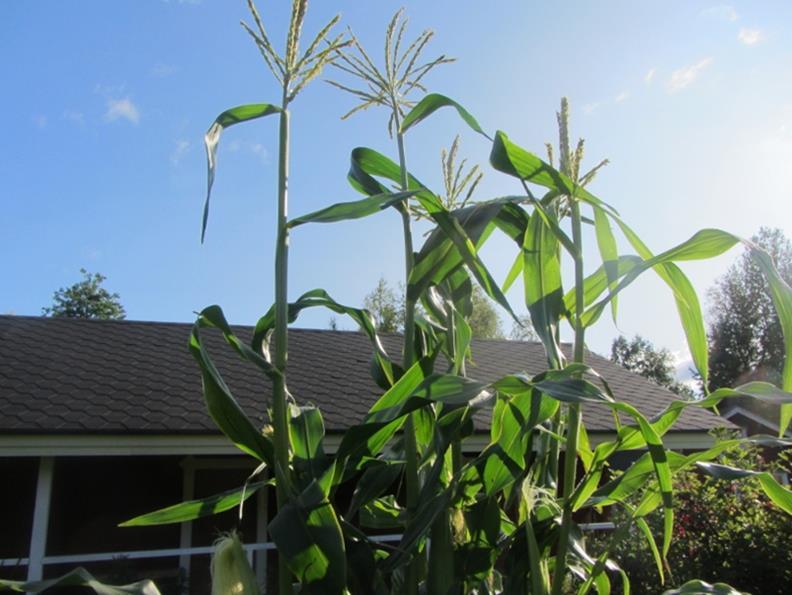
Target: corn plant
{"points": [[504, 521]]}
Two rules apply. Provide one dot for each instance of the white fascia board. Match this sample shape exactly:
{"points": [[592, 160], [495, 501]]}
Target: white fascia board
{"points": [[77, 445]]}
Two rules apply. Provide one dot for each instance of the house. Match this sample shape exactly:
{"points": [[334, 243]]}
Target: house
{"points": [[101, 421]]}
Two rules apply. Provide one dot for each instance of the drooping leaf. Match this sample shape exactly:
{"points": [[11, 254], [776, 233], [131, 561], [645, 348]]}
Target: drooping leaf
{"points": [[433, 102], [308, 536], [194, 509], [315, 298], [235, 115], [697, 587], [687, 301], [223, 407], [774, 490], [79, 577]]}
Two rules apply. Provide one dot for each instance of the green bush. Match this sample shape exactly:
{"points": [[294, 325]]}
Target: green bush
{"points": [[725, 531]]}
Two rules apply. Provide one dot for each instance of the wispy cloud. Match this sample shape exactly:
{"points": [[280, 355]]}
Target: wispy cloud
{"points": [[686, 76], [245, 145], [181, 148], [122, 108], [750, 36], [40, 121], [621, 97], [723, 12], [161, 70], [74, 116], [590, 108], [649, 76]]}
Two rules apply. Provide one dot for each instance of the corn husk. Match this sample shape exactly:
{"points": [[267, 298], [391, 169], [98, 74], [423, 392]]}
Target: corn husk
{"points": [[231, 571]]}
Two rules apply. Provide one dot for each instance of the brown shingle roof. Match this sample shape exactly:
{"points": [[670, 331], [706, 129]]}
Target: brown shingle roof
{"points": [[83, 376]]}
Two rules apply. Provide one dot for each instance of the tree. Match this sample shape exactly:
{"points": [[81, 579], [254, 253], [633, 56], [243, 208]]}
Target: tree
{"points": [[523, 331], [484, 321], [641, 356], [745, 338], [86, 299], [386, 307]]}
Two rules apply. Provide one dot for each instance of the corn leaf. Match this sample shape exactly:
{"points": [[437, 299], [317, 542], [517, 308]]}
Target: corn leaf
{"points": [[781, 295], [774, 490], [430, 104], [223, 407], [235, 115], [358, 209], [698, 587], [308, 535], [79, 577], [195, 509]]}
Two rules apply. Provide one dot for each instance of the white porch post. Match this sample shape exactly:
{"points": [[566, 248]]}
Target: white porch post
{"points": [[38, 534], [188, 493], [262, 513]]}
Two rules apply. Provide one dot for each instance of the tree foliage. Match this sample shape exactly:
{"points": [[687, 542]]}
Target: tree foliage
{"points": [[386, 306], [86, 299], [639, 355], [745, 337], [746, 340]]}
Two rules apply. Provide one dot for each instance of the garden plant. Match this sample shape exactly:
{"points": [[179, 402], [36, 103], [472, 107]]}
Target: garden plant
{"points": [[505, 520]]}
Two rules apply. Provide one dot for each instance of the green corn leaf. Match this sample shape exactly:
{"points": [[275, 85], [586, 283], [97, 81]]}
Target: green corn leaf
{"points": [[687, 301], [223, 407], [382, 513], [213, 317], [235, 115], [376, 479], [698, 587], [597, 283], [450, 389], [367, 165], [650, 541], [774, 490], [439, 257], [564, 386], [466, 248], [609, 253], [704, 244], [308, 535], [513, 160], [781, 295], [384, 368], [433, 102], [417, 528], [306, 432], [514, 272], [79, 577], [195, 509], [542, 282], [353, 210]]}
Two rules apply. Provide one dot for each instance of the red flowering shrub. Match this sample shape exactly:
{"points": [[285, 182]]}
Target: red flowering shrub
{"points": [[724, 531]]}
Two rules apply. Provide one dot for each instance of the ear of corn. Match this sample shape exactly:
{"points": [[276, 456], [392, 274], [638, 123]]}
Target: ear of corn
{"points": [[231, 571]]}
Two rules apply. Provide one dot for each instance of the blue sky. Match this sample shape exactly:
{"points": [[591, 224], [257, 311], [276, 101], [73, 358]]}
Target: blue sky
{"points": [[106, 104]]}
